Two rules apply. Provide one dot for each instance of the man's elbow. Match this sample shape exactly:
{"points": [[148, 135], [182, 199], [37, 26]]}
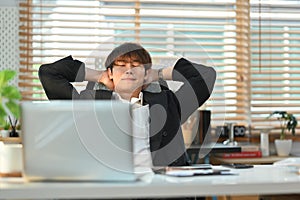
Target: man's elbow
{"points": [[45, 74], [42, 71], [210, 79]]}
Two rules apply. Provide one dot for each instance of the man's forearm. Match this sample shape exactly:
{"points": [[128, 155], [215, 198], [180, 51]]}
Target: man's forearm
{"points": [[92, 75], [167, 73]]}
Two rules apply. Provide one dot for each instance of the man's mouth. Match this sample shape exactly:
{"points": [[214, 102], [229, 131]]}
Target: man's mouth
{"points": [[128, 79]]}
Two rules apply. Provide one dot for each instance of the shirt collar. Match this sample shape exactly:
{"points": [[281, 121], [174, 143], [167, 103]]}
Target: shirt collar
{"points": [[138, 100], [133, 100]]}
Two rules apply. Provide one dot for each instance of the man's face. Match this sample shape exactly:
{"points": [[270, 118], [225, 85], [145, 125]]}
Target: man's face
{"points": [[128, 75]]}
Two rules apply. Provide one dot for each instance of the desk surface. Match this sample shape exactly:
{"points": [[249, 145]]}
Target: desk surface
{"points": [[262, 179]]}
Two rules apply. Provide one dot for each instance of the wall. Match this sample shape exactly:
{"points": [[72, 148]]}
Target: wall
{"points": [[9, 46]]}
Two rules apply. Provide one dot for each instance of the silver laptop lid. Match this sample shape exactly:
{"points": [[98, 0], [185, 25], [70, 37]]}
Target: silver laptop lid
{"points": [[77, 140]]}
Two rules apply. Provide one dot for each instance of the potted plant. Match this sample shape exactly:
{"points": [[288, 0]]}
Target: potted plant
{"points": [[9, 97], [288, 123], [5, 131]]}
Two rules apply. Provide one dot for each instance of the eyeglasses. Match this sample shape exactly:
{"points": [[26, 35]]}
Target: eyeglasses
{"points": [[122, 65]]}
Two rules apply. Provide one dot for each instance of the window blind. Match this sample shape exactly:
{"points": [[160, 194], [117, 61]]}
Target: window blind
{"points": [[215, 33], [275, 69]]}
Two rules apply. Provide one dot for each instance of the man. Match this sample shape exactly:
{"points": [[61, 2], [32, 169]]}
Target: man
{"points": [[127, 78]]}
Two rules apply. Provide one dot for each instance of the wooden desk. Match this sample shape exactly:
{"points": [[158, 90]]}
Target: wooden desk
{"points": [[262, 179], [262, 160], [12, 140]]}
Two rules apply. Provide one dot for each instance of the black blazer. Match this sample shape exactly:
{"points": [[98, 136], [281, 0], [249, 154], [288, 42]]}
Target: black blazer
{"points": [[168, 109]]}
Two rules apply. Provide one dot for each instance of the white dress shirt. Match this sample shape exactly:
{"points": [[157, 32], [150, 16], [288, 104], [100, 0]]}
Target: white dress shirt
{"points": [[141, 139]]}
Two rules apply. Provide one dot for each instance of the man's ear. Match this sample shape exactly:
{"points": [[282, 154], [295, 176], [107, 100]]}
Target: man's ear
{"points": [[147, 74], [109, 72]]}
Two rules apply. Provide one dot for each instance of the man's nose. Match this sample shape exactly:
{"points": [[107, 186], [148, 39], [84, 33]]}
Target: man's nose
{"points": [[128, 68], [128, 72]]}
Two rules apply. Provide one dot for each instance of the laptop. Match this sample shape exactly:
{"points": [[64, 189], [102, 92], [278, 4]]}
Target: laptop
{"points": [[77, 141]]}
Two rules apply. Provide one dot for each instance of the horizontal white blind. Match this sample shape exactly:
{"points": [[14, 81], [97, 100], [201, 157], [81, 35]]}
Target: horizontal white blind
{"points": [[214, 33], [275, 68]]}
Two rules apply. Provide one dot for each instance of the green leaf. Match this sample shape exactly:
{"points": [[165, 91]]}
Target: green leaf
{"points": [[14, 108], [289, 122], [11, 92], [5, 76], [279, 114], [10, 95], [2, 116]]}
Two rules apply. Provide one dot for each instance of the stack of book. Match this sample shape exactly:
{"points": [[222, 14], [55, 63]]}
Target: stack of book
{"points": [[248, 151]]}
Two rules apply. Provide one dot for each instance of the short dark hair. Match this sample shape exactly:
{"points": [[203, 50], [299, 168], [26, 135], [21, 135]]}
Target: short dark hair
{"points": [[129, 50]]}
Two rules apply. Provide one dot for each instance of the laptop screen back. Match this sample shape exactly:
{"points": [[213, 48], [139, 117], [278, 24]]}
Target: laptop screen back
{"points": [[77, 140]]}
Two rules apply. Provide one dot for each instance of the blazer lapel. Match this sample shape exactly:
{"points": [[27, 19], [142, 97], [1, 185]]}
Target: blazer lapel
{"points": [[158, 115]]}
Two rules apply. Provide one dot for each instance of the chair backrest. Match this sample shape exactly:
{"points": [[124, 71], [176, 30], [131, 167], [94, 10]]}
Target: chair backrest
{"points": [[90, 85], [197, 127]]}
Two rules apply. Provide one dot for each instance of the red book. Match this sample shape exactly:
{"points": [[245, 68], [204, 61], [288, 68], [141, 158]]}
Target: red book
{"points": [[245, 154]]}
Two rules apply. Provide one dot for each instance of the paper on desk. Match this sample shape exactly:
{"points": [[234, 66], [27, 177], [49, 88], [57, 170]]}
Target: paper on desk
{"points": [[293, 163], [184, 172]]}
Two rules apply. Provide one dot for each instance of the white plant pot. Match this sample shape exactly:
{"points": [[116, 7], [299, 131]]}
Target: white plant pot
{"points": [[283, 147], [4, 133], [11, 158]]}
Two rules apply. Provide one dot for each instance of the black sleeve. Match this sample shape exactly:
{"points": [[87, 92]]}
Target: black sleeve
{"points": [[56, 77], [198, 85]]}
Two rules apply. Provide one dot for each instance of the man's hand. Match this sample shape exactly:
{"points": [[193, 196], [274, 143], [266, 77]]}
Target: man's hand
{"points": [[100, 76], [104, 78], [152, 74]]}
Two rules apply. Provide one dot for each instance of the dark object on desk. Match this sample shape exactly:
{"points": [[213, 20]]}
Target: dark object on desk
{"points": [[13, 133], [222, 131], [238, 166], [13, 126], [215, 148], [239, 131], [193, 150]]}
